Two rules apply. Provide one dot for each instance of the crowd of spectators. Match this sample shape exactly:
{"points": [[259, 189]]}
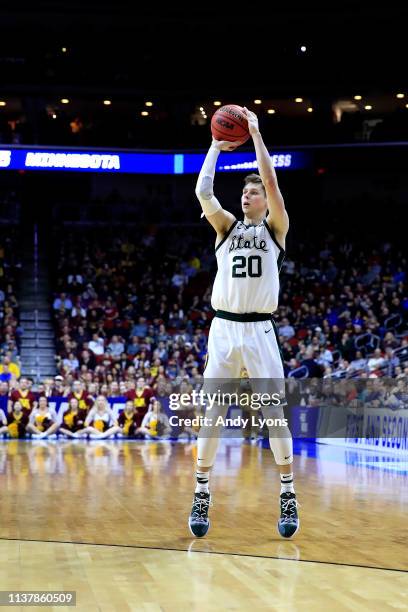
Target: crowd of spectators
{"points": [[129, 308], [380, 392], [10, 326], [141, 307], [344, 312], [135, 410], [55, 408]]}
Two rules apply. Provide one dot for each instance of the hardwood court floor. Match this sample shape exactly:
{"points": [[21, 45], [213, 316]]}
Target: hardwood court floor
{"points": [[109, 520]]}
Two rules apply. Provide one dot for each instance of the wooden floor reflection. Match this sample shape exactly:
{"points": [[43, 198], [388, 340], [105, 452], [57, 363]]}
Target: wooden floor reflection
{"points": [[114, 515]]}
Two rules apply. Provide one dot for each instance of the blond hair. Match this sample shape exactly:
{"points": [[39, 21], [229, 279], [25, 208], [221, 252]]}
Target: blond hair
{"points": [[256, 179]]}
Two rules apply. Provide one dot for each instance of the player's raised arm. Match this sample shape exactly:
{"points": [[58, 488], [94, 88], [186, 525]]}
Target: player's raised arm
{"points": [[278, 218], [220, 219]]}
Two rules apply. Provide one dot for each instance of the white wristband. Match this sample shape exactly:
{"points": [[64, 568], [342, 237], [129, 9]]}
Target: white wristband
{"points": [[205, 184]]}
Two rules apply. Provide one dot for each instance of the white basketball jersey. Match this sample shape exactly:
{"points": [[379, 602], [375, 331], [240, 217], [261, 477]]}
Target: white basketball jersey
{"points": [[249, 260]]}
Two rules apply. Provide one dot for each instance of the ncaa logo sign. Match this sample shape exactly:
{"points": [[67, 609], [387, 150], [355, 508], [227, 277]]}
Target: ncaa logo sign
{"points": [[5, 159]]}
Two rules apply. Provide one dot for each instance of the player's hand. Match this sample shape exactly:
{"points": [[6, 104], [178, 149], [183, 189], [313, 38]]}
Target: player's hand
{"points": [[253, 125], [225, 145]]}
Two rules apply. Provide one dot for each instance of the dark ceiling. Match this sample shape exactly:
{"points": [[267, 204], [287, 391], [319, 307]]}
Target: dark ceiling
{"points": [[227, 49]]}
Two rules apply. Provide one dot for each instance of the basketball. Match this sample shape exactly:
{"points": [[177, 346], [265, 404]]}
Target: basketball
{"points": [[229, 123]]}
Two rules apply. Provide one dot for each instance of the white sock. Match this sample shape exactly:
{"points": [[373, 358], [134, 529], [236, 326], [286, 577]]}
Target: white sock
{"points": [[202, 482], [287, 483]]}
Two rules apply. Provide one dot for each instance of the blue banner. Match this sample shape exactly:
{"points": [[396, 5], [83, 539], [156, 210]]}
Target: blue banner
{"points": [[81, 160]]}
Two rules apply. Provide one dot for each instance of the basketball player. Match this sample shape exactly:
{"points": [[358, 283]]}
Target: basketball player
{"points": [[243, 334]]}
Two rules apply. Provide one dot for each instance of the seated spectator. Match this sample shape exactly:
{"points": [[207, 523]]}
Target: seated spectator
{"points": [[85, 400], [7, 376], [87, 359], [115, 347], [23, 394], [43, 421], [17, 421], [400, 394], [155, 423], [315, 370], [72, 421], [129, 420], [163, 336], [100, 422], [71, 363], [75, 278], [78, 309], [141, 395], [140, 329], [59, 389], [97, 345], [114, 390], [376, 362], [359, 363], [80, 336], [62, 302], [286, 330], [325, 358], [134, 347], [178, 279]]}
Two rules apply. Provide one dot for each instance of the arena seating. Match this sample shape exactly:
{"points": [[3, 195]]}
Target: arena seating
{"points": [[142, 304], [10, 326]]}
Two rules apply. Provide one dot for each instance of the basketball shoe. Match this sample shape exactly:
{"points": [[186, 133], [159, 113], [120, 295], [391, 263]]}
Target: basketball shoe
{"points": [[289, 523], [198, 521]]}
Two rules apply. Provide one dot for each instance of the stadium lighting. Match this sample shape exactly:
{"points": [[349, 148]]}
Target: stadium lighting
{"points": [[257, 101], [217, 103], [64, 101], [144, 113], [310, 109], [298, 99], [303, 49], [201, 108], [2, 103], [400, 95], [368, 107], [148, 103], [205, 116], [107, 102], [54, 116], [64, 49], [357, 97], [271, 111]]}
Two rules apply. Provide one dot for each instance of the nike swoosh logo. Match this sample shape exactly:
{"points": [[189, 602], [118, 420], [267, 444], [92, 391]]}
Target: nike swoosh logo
{"points": [[268, 330], [288, 456]]}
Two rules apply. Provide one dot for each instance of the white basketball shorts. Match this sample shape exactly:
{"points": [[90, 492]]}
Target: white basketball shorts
{"points": [[233, 345]]}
